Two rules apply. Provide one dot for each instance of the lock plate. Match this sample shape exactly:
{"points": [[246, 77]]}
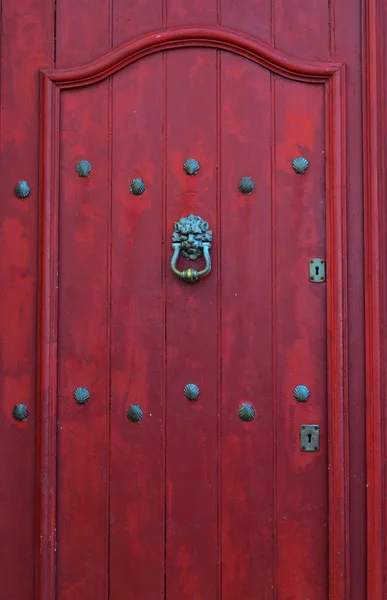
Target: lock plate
{"points": [[317, 270], [310, 438]]}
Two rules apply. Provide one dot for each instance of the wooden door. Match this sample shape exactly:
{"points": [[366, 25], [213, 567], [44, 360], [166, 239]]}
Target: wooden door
{"points": [[157, 490]]}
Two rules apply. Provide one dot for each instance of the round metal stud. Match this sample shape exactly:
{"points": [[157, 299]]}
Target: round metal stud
{"points": [[191, 166], [135, 413], [22, 190], [137, 187], [83, 168], [191, 391], [301, 393], [246, 412], [81, 395], [300, 164], [20, 412], [246, 185]]}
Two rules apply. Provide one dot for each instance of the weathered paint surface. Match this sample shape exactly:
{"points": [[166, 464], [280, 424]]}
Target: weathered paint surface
{"points": [[191, 500]]}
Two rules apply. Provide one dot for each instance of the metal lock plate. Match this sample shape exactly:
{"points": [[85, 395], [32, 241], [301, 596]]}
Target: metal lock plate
{"points": [[310, 438], [317, 270]]}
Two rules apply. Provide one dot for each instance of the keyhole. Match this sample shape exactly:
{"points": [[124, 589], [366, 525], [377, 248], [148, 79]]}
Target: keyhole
{"points": [[317, 270], [309, 438]]}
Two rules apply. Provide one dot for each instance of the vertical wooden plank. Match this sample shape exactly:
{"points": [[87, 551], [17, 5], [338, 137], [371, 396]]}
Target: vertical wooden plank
{"points": [[83, 353], [302, 29], [137, 504], [138, 336], [246, 332], [132, 19], [83, 31], [185, 12], [191, 544], [302, 477], [250, 16], [26, 45], [83, 434]]}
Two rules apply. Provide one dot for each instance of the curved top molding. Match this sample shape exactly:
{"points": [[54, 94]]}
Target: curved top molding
{"points": [[220, 38]]}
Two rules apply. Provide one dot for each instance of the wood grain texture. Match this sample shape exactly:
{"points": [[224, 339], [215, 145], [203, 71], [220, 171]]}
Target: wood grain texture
{"points": [[26, 45]]}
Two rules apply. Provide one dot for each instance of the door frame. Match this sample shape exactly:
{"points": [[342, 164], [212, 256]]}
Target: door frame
{"points": [[330, 75], [375, 247]]}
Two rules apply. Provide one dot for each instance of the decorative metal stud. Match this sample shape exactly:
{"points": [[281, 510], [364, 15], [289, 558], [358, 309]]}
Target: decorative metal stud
{"points": [[137, 187], [81, 395], [83, 168], [246, 412], [191, 391], [300, 164], [20, 412], [301, 393], [191, 166], [135, 413], [22, 190], [246, 185]]}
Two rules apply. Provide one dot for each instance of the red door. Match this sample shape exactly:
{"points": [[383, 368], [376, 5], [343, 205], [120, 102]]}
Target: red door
{"points": [[193, 410]]}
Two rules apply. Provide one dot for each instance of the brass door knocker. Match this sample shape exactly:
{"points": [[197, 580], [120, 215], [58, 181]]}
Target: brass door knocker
{"points": [[192, 237]]}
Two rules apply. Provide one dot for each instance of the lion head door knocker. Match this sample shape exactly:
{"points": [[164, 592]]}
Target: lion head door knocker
{"points": [[192, 237]]}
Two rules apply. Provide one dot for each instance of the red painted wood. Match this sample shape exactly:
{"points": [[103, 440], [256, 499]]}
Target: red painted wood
{"points": [[47, 343], [83, 32], [187, 567], [83, 320], [303, 29], [131, 19], [184, 12], [137, 494], [337, 322], [192, 492], [299, 216], [25, 47], [83, 347], [248, 449], [186, 37], [254, 17], [374, 126], [345, 34]]}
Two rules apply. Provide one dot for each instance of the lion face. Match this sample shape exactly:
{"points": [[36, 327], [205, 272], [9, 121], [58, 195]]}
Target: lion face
{"points": [[191, 233]]}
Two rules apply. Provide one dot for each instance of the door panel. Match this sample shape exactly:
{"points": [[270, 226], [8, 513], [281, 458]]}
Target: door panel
{"points": [[191, 501]]}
